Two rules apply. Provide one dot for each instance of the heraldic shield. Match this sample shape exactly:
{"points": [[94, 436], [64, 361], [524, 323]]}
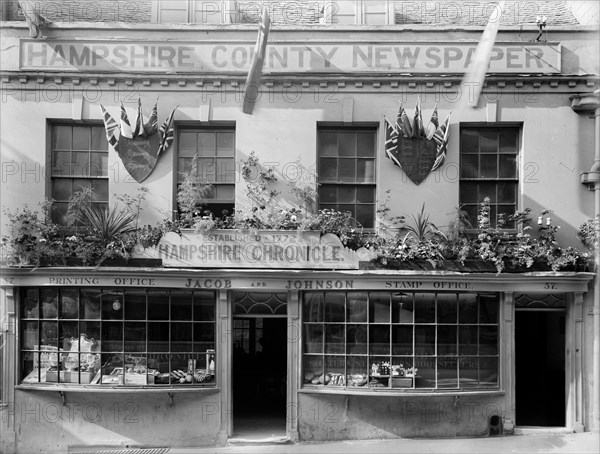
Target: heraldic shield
{"points": [[416, 157], [139, 146]]}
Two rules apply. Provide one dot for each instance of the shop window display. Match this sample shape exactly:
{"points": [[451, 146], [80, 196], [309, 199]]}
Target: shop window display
{"points": [[400, 340], [132, 337]]}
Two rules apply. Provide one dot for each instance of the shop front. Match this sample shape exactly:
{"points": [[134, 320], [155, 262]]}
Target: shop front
{"points": [[162, 357]]}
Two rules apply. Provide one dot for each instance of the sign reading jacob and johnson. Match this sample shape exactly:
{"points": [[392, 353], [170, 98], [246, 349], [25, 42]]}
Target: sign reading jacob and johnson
{"points": [[282, 57]]}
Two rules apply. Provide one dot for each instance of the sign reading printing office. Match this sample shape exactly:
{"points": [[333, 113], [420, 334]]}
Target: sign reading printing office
{"points": [[282, 57], [276, 249]]}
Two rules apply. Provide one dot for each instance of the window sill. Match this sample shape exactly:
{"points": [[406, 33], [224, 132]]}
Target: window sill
{"points": [[398, 392], [117, 389]]}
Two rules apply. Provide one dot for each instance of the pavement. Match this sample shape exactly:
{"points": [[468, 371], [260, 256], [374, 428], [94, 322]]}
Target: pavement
{"points": [[524, 442]]}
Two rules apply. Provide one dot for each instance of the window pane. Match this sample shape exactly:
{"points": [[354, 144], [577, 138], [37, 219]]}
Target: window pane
{"points": [[468, 372], [426, 373], [356, 367], [99, 142], [327, 144], [204, 337], [365, 171], [357, 307], [99, 164], [181, 305], [90, 304], [424, 308], [446, 340], [488, 141], [379, 339], [135, 336], [61, 163], [158, 336], [467, 340], [100, 188], [365, 144], [335, 367], [61, 138], [488, 308], [508, 166], [402, 308], [225, 170], [507, 193], [112, 336], [447, 308], [31, 339], [356, 339], [447, 372], [313, 338], [488, 371], [488, 340], [49, 302], [225, 143], [204, 306], [328, 169], [346, 195], [312, 309], [424, 340], [158, 305], [402, 340], [206, 143], [508, 140], [313, 369], [365, 194], [347, 144], [365, 215], [112, 305], [335, 339], [81, 138], [489, 167], [469, 166], [49, 333], [69, 303], [181, 337], [469, 141], [187, 141], [467, 307], [61, 189], [379, 307], [347, 170], [334, 307], [135, 304], [31, 303]]}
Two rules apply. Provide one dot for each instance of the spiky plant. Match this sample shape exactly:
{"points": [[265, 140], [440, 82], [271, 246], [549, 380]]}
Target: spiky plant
{"points": [[107, 224]]}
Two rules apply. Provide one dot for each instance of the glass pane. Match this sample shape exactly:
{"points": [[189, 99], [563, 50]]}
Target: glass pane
{"points": [[357, 307], [379, 339], [380, 370], [181, 337], [488, 141], [80, 163], [49, 300], [335, 371], [99, 141], [468, 192], [467, 308], [424, 340], [204, 336], [159, 367], [365, 144], [334, 306], [30, 373], [424, 308], [488, 340], [402, 340], [328, 169], [469, 141], [468, 372], [225, 170], [158, 305], [207, 169], [347, 144], [327, 144], [99, 164], [69, 303], [347, 170], [61, 138], [225, 192], [100, 188], [135, 336], [312, 309], [507, 193], [446, 340], [181, 305], [112, 369], [158, 336], [447, 308], [365, 171], [365, 194], [91, 332], [447, 372], [335, 339], [488, 371], [379, 307], [508, 166], [61, 189], [346, 195], [467, 340], [313, 369], [204, 306], [81, 138], [313, 339], [469, 166], [30, 340], [112, 336], [207, 143], [488, 308], [225, 143], [489, 167], [356, 369], [328, 194], [61, 163], [402, 308], [426, 373], [136, 370], [402, 366], [69, 342], [508, 140], [187, 141], [90, 304], [365, 215], [135, 304], [112, 305], [357, 339], [30, 307]]}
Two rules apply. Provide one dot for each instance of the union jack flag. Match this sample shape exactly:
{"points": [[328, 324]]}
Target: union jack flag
{"points": [[166, 133], [441, 139]]}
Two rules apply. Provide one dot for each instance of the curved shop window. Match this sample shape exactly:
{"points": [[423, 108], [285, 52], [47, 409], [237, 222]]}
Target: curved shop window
{"points": [[436, 341], [131, 337]]}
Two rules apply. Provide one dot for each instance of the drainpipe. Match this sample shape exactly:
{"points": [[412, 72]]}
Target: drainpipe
{"points": [[590, 103]]}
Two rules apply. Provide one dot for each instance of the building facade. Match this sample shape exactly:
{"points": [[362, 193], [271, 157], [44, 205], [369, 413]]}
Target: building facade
{"points": [[233, 329]]}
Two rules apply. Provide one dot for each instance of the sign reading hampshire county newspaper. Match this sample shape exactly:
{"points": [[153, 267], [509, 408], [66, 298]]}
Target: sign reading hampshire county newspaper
{"points": [[282, 57], [262, 249]]}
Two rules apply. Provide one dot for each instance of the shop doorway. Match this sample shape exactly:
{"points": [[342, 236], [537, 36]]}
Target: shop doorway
{"points": [[540, 367], [259, 366]]}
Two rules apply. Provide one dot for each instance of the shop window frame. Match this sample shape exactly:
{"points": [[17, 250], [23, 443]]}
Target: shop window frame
{"points": [[122, 383], [309, 384]]}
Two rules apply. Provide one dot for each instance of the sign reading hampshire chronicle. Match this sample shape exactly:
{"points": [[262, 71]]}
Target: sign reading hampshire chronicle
{"points": [[282, 57]]}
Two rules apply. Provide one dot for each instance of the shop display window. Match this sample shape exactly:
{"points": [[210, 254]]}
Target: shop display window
{"points": [[130, 337], [420, 340]]}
